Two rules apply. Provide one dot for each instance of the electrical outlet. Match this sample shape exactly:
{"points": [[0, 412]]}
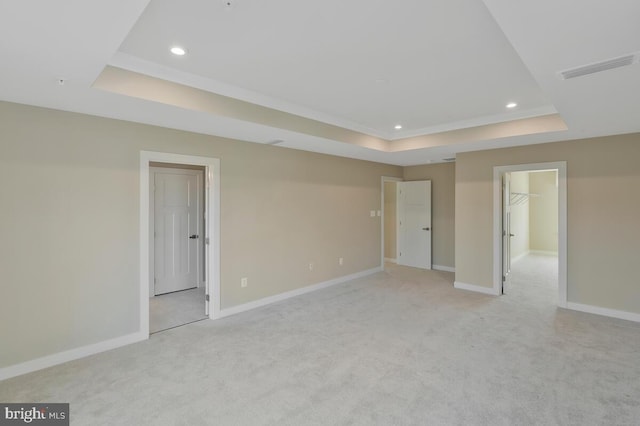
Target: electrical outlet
{"points": [[340, 261], [311, 266], [243, 282]]}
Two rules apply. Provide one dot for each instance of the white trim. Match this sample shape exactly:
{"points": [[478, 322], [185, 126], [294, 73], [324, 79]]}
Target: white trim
{"points": [[520, 257], [597, 310], [544, 252], [69, 355], [212, 227], [486, 120], [136, 64], [498, 172], [476, 288], [383, 180], [443, 268], [293, 293]]}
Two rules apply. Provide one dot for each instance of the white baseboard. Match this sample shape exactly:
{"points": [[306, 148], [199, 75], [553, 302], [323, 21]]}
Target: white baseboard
{"points": [[544, 252], [590, 309], [70, 355], [293, 293], [519, 257], [443, 268], [391, 259], [477, 288]]}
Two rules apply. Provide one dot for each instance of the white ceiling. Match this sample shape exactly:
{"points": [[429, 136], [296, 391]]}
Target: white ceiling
{"points": [[363, 65]]}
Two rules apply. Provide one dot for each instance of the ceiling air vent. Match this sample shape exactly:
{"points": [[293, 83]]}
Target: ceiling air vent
{"points": [[449, 159], [610, 64], [274, 142]]}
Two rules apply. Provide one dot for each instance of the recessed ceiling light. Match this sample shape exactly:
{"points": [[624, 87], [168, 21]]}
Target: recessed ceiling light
{"points": [[512, 105], [178, 51], [398, 126]]}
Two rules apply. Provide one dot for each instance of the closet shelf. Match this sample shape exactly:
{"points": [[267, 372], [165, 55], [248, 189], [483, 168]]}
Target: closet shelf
{"points": [[520, 198]]}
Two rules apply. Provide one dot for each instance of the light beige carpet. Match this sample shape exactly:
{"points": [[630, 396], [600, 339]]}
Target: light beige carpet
{"points": [[401, 347]]}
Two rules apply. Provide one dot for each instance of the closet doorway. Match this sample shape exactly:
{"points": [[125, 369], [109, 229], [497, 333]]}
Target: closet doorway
{"points": [[530, 230]]}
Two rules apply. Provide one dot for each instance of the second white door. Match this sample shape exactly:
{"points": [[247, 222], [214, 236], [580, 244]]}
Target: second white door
{"points": [[176, 229], [414, 224]]}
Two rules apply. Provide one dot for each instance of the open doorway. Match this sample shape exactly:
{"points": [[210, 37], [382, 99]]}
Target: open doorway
{"points": [[197, 234], [177, 288], [533, 234], [530, 230]]}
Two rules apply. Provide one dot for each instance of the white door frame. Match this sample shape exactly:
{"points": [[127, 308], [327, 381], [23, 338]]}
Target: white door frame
{"points": [[383, 180], [211, 231], [498, 173]]}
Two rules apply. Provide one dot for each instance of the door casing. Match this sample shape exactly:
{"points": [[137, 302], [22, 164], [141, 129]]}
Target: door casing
{"points": [[211, 231], [506, 229], [498, 174]]}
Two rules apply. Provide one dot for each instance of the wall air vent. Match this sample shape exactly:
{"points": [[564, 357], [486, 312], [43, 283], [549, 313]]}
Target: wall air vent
{"points": [[610, 64]]}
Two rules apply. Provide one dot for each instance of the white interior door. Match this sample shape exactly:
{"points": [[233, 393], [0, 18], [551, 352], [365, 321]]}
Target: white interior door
{"points": [[506, 229], [176, 229], [414, 224]]}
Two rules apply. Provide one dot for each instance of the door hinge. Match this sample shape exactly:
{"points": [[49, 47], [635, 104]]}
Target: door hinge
{"points": [[504, 278], [206, 240], [206, 297]]}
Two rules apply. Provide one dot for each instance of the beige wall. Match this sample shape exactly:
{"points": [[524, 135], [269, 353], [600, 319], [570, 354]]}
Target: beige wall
{"points": [[390, 237], [544, 211], [520, 220], [603, 210], [69, 223], [442, 177]]}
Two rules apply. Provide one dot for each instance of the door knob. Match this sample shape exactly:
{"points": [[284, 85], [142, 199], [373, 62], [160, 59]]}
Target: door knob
{"points": [[426, 229], [194, 236]]}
